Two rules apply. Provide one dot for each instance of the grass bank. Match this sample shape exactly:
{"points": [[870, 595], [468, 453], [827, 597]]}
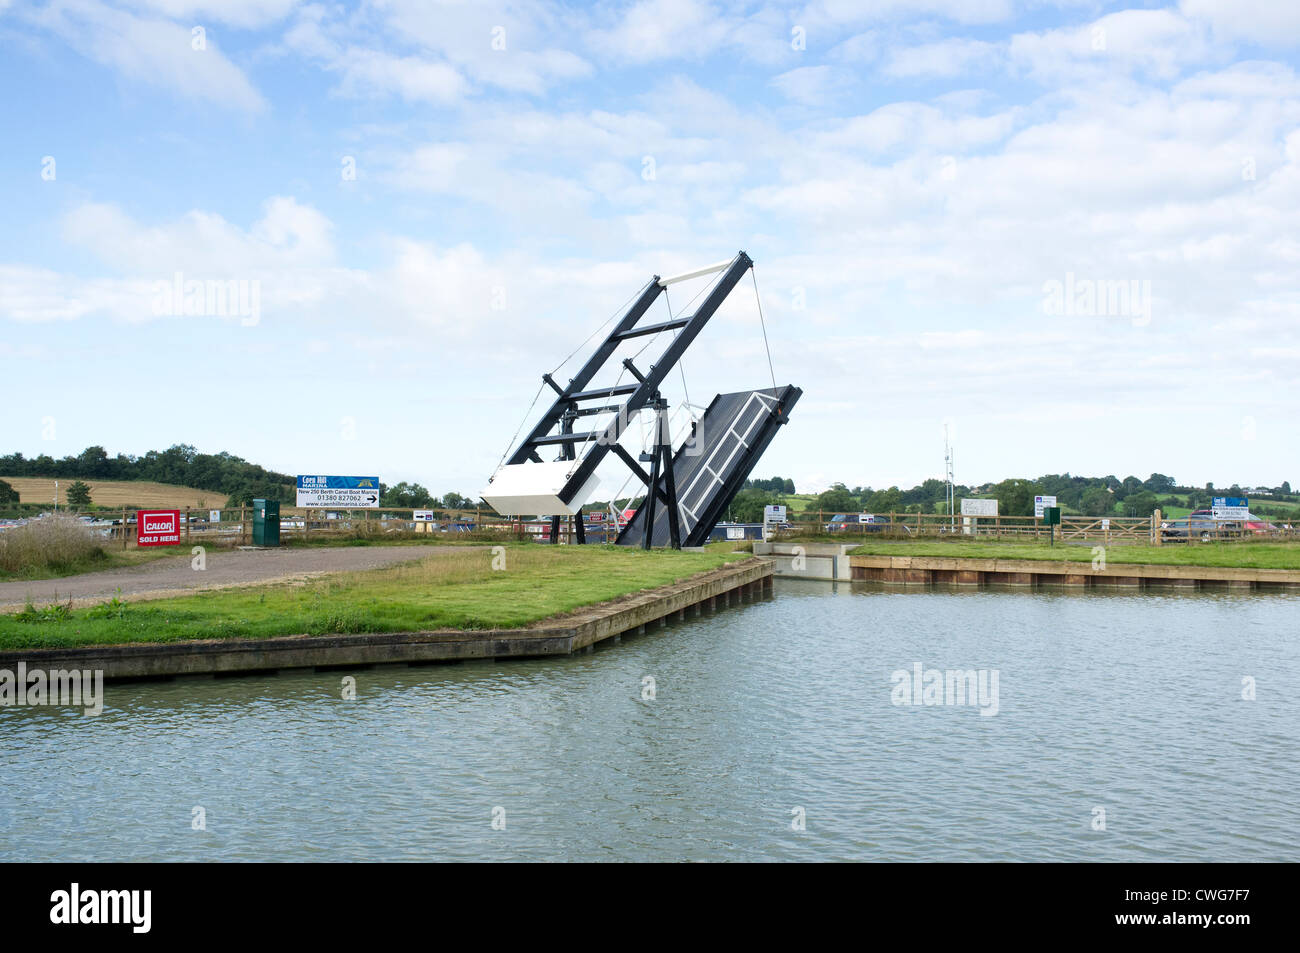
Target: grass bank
{"points": [[54, 546], [1236, 555], [443, 591]]}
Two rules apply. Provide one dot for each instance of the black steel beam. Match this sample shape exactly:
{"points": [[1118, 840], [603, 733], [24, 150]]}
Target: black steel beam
{"points": [[615, 391], [658, 371], [653, 328], [589, 370], [567, 438]]}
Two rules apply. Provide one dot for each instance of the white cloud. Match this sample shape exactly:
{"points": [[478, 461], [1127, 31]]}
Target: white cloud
{"points": [[951, 57], [151, 52], [664, 29], [369, 72], [246, 14], [1159, 43], [810, 85], [1270, 23]]}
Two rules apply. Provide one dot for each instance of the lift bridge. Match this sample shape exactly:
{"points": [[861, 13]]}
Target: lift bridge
{"points": [[687, 489]]}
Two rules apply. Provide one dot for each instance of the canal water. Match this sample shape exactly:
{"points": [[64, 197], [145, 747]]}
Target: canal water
{"points": [[776, 731]]}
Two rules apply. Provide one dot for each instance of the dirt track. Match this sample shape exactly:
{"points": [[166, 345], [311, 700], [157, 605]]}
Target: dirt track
{"points": [[225, 568]]}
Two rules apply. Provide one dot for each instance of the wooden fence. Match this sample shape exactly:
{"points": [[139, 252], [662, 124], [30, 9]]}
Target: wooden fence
{"points": [[1106, 530], [235, 524]]}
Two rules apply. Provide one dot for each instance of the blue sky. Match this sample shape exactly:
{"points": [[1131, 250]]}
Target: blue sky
{"points": [[910, 178]]}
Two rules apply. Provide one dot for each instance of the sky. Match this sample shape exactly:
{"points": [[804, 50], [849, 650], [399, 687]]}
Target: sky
{"points": [[1065, 231]]}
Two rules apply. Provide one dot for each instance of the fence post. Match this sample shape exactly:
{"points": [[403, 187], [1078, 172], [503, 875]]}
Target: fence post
{"points": [[124, 527], [187, 524]]}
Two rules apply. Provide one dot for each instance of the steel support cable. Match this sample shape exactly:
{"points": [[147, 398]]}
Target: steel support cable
{"points": [[763, 325], [528, 413]]}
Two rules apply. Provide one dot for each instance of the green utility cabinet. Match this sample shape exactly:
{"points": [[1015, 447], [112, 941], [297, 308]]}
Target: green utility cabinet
{"points": [[266, 522], [1052, 517]]}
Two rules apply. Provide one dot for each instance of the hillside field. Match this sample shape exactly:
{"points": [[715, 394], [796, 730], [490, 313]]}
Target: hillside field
{"points": [[116, 493]]}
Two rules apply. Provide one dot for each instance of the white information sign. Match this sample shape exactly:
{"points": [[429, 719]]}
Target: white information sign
{"points": [[1042, 502], [979, 507], [422, 516]]}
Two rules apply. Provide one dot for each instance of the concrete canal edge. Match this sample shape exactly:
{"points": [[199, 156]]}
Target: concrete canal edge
{"points": [[819, 560], [562, 635], [925, 570]]}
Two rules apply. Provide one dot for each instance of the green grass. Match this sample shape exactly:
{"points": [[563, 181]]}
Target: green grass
{"points": [[1244, 555], [443, 591], [110, 556]]}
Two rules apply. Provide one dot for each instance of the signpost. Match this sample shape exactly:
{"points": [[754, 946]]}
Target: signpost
{"points": [[158, 527], [979, 507], [345, 492], [1231, 508], [422, 516], [1041, 503], [772, 513]]}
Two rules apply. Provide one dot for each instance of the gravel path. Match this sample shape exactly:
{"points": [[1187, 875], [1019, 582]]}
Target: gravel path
{"points": [[225, 568]]}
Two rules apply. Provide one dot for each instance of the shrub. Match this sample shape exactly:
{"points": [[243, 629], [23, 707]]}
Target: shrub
{"points": [[52, 543]]}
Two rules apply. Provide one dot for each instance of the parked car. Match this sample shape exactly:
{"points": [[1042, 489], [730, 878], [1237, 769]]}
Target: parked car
{"points": [[1207, 528], [864, 523]]}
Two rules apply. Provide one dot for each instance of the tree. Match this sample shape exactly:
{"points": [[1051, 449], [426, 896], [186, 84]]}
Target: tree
{"points": [[8, 495], [1130, 486], [1016, 497], [93, 462], [1097, 501], [405, 495], [1143, 503], [884, 501], [79, 494], [748, 505], [1159, 483], [837, 499]]}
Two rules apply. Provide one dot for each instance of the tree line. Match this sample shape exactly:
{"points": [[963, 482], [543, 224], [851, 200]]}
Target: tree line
{"points": [[1091, 496], [182, 465]]}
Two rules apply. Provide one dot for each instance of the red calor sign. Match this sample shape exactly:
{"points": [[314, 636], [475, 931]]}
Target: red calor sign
{"points": [[158, 527]]}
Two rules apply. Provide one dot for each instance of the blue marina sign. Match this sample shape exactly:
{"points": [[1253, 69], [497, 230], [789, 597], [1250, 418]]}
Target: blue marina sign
{"points": [[349, 492], [1231, 508]]}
